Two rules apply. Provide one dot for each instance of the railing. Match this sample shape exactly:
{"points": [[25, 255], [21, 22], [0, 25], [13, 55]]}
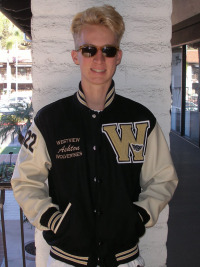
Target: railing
{"points": [[5, 176], [3, 187]]}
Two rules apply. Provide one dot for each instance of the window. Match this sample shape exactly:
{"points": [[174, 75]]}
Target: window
{"points": [[185, 88], [176, 89], [192, 92]]}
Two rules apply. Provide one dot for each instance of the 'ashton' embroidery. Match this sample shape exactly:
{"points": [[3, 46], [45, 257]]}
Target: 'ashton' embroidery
{"points": [[71, 150]]}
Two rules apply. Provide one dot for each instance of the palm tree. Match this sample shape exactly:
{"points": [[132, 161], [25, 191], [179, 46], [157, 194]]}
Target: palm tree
{"points": [[10, 35], [14, 123]]}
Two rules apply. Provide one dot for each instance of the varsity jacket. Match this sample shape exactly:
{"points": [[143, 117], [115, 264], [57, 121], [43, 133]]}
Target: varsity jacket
{"points": [[109, 175]]}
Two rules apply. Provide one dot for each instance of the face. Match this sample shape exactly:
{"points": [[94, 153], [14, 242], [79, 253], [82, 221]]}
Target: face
{"points": [[97, 70]]}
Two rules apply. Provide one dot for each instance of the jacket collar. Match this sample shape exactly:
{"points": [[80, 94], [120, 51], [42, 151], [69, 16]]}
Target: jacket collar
{"points": [[109, 96]]}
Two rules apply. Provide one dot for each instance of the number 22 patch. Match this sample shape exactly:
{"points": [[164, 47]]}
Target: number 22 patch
{"points": [[30, 140]]}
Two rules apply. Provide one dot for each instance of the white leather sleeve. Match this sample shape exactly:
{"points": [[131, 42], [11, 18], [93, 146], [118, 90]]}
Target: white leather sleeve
{"points": [[29, 181], [158, 176]]}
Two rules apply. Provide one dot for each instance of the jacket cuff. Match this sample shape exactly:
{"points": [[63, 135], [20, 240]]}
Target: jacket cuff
{"points": [[51, 218], [143, 214]]}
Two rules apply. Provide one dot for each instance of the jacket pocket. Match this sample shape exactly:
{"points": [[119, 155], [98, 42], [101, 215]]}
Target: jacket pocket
{"points": [[140, 227], [62, 218]]}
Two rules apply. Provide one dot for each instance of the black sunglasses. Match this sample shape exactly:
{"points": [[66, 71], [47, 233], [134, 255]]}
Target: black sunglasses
{"points": [[91, 50]]}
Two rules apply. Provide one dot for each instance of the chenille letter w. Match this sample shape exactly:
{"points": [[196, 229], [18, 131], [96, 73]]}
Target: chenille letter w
{"points": [[128, 140]]}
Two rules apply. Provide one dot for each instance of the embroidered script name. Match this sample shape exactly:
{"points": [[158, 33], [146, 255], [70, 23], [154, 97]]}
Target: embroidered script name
{"points": [[70, 148]]}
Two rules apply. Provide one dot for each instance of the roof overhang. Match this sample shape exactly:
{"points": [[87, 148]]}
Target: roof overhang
{"points": [[19, 12]]}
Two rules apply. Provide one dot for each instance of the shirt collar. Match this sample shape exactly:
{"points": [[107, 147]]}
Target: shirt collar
{"points": [[109, 96]]}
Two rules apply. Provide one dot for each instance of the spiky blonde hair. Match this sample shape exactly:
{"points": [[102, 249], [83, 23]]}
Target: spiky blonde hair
{"points": [[105, 15]]}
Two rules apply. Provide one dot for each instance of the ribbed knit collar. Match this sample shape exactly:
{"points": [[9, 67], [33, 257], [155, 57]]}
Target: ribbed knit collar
{"points": [[109, 96]]}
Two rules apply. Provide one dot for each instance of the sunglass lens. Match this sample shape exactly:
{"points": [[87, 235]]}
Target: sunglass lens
{"points": [[109, 51], [89, 51]]}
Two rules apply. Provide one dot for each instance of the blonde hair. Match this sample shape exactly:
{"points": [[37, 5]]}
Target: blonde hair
{"points": [[104, 15]]}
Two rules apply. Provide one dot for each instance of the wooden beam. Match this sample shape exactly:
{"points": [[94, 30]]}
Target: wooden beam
{"points": [[187, 31]]}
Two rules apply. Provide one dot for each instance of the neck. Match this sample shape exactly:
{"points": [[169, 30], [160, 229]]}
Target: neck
{"points": [[95, 96]]}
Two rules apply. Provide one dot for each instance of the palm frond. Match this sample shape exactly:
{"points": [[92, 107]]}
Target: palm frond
{"points": [[13, 123]]}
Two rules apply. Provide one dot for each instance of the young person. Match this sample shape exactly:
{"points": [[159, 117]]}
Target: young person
{"points": [[107, 164]]}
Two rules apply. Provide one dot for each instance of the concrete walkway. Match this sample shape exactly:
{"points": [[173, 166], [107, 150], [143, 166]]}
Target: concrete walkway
{"points": [[13, 242], [7, 157], [12, 228], [184, 221], [12, 224]]}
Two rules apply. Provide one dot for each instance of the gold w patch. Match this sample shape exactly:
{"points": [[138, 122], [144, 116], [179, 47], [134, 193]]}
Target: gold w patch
{"points": [[128, 140]]}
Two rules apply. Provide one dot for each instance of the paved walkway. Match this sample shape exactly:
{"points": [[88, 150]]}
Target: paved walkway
{"points": [[7, 158], [13, 241], [12, 228], [184, 220], [12, 224]]}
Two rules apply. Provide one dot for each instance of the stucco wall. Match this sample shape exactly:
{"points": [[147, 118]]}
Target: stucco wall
{"points": [[144, 74]]}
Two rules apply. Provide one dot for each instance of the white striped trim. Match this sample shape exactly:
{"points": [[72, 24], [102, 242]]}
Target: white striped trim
{"points": [[141, 217], [63, 216], [51, 222], [70, 257], [127, 254], [81, 98], [109, 97]]}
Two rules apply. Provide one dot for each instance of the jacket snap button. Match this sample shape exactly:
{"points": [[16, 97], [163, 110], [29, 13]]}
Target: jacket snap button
{"points": [[94, 116], [97, 212]]}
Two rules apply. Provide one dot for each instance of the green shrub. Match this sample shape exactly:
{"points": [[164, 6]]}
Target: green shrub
{"points": [[6, 171]]}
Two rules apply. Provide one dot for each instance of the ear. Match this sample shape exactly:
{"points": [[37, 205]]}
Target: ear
{"points": [[74, 55], [119, 56]]}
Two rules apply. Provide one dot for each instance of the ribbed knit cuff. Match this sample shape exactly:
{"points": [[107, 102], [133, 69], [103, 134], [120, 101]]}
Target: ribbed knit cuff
{"points": [[51, 218], [143, 213]]}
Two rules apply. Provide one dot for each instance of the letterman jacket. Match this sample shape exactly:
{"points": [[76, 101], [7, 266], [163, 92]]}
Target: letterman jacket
{"points": [[109, 175]]}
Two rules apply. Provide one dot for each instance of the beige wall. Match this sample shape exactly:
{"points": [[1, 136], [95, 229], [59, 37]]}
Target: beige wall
{"points": [[184, 9]]}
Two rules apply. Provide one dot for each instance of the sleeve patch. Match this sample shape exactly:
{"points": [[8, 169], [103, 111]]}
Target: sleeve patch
{"points": [[30, 140]]}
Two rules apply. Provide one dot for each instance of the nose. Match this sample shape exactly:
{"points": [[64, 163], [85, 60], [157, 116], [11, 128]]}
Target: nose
{"points": [[99, 57]]}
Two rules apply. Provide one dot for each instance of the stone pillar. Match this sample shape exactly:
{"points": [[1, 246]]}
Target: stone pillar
{"points": [[143, 75]]}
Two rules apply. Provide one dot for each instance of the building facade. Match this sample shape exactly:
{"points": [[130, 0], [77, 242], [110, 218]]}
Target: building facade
{"points": [[15, 73], [185, 85]]}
